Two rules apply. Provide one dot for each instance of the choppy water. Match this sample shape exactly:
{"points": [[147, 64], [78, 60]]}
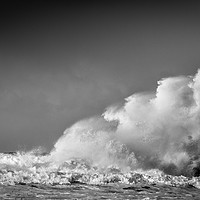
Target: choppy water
{"points": [[32, 176], [84, 191]]}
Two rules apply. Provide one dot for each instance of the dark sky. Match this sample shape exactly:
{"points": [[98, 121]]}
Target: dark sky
{"points": [[61, 62]]}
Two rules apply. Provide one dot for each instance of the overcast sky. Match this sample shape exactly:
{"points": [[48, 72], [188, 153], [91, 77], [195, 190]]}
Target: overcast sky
{"points": [[61, 62]]}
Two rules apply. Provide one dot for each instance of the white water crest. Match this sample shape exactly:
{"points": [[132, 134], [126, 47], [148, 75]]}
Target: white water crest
{"points": [[157, 130], [154, 137]]}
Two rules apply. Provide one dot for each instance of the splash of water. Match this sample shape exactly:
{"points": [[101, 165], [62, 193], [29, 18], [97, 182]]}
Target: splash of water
{"points": [[151, 130], [149, 136]]}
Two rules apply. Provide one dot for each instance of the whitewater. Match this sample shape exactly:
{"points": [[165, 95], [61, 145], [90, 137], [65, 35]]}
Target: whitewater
{"points": [[146, 147]]}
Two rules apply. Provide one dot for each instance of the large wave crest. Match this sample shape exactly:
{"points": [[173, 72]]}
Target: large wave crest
{"points": [[159, 130]]}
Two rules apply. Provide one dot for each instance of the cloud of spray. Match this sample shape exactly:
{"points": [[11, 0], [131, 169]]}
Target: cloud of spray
{"points": [[151, 130]]}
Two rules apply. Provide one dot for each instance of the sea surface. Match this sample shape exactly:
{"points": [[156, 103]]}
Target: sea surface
{"points": [[109, 191], [27, 175]]}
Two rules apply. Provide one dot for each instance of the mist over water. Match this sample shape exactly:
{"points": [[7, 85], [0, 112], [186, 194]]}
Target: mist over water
{"points": [[151, 130]]}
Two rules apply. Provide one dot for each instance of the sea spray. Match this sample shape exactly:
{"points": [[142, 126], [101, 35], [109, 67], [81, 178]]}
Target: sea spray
{"points": [[151, 138], [158, 130]]}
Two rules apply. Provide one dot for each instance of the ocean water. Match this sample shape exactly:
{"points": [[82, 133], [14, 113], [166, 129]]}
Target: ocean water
{"points": [[77, 191], [32, 176], [146, 147]]}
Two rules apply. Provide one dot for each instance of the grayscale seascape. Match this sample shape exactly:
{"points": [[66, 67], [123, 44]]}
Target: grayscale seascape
{"points": [[99, 99]]}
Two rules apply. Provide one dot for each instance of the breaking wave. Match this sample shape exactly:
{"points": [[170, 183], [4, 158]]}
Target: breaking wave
{"points": [[152, 138], [158, 130]]}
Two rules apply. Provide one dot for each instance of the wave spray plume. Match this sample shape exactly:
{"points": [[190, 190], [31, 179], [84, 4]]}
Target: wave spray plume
{"points": [[158, 130]]}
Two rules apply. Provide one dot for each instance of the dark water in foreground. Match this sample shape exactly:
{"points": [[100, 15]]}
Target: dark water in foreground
{"points": [[84, 191]]}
